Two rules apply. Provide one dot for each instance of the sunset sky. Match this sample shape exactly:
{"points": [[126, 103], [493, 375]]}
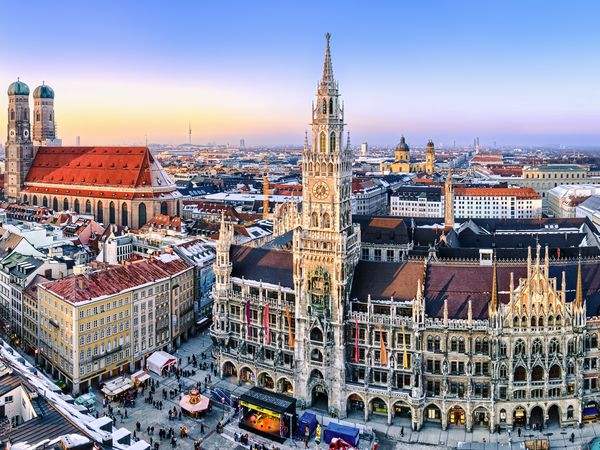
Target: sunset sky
{"points": [[512, 72]]}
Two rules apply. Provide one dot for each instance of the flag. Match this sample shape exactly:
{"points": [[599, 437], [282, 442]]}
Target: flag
{"points": [[290, 331], [266, 324], [248, 316], [384, 358], [558, 253], [356, 342], [405, 356]]}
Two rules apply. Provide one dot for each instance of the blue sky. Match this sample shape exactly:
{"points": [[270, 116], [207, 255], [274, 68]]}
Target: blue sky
{"points": [[511, 72]]}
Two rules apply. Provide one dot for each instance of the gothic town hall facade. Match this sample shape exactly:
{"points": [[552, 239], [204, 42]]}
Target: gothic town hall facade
{"points": [[501, 344]]}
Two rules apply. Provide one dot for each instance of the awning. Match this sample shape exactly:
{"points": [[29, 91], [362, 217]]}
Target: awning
{"points": [[117, 386], [159, 360], [140, 376]]}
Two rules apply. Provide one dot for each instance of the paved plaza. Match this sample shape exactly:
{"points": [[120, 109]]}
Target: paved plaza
{"points": [[387, 436]]}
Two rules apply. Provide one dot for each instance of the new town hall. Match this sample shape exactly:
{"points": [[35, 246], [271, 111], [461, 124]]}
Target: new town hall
{"points": [[494, 342]]}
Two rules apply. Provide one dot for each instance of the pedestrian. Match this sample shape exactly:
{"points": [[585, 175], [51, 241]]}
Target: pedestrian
{"points": [[201, 428], [402, 431], [519, 431]]}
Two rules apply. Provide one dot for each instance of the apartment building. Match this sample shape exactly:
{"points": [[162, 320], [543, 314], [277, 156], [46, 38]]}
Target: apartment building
{"points": [[98, 325]]}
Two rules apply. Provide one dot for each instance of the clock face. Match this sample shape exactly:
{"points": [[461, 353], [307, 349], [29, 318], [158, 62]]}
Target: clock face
{"points": [[321, 190], [12, 133]]}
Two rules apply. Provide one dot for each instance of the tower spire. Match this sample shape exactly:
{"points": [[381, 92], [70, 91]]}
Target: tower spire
{"points": [[327, 68], [579, 291], [494, 299]]}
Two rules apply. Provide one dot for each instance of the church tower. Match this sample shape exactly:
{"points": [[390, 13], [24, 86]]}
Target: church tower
{"points": [[448, 203], [18, 148], [326, 250], [402, 152], [430, 158], [44, 129]]}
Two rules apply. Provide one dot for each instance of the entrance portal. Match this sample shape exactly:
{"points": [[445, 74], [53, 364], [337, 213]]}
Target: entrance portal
{"points": [[519, 417], [537, 416], [320, 399], [554, 415], [456, 416]]}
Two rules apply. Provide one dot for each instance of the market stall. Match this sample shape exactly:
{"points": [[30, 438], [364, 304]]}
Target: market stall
{"points": [[267, 413], [140, 377], [159, 362], [308, 421], [194, 404], [88, 401], [118, 388]]}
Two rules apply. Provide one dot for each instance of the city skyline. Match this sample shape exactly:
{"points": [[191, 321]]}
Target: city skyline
{"points": [[511, 73]]}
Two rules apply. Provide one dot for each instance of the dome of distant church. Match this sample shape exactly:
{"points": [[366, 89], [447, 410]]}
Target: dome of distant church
{"points": [[402, 146], [18, 88], [43, 91]]}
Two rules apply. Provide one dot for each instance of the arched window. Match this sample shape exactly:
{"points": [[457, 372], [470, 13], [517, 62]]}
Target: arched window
{"points": [[112, 213], [322, 142], [520, 374], [164, 208], [66, 204], [570, 412], [533, 322], [142, 215], [25, 198], [554, 346], [502, 371], [436, 344], [571, 346], [316, 335], [537, 349], [330, 106], [541, 322], [594, 340], [124, 218], [332, 146], [330, 169], [314, 220], [477, 345], [316, 355], [537, 374], [55, 204], [45, 202], [34, 201], [486, 346], [519, 347], [99, 212], [326, 221], [461, 345], [88, 207], [453, 344], [516, 322], [558, 320], [570, 369], [76, 206], [429, 343], [554, 373]]}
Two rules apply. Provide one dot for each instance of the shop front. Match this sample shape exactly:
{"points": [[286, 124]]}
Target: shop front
{"points": [[267, 414], [456, 416]]}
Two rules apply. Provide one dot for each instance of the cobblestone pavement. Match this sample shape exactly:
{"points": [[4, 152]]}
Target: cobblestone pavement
{"points": [[388, 437]]}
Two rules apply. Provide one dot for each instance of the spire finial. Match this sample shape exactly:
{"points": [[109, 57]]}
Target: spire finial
{"points": [[327, 69], [348, 141]]}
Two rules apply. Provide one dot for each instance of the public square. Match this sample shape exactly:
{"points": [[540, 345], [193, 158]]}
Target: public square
{"points": [[387, 437]]}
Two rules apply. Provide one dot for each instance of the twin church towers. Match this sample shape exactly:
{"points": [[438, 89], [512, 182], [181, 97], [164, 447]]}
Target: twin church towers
{"points": [[21, 142]]}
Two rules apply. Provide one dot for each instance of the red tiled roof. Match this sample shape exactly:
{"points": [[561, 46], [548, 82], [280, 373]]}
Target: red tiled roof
{"points": [[80, 288], [92, 166], [496, 192]]}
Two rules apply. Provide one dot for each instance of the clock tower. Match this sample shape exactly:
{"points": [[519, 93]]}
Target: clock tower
{"points": [[18, 148], [326, 250]]}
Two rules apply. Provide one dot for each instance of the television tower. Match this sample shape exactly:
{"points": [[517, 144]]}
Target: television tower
{"points": [[190, 133]]}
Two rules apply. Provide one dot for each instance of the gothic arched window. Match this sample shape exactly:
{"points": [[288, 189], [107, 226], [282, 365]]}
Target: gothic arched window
{"points": [[55, 204], [326, 221], [332, 146], [314, 220], [322, 142], [554, 346], [37, 117], [324, 106], [124, 218], [88, 207], [66, 204], [486, 346], [76, 205], [164, 208], [142, 215], [519, 347], [112, 213], [99, 212], [330, 106], [453, 344], [34, 201], [537, 347]]}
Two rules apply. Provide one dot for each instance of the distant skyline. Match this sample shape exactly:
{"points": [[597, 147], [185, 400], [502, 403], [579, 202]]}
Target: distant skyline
{"points": [[520, 73]]}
